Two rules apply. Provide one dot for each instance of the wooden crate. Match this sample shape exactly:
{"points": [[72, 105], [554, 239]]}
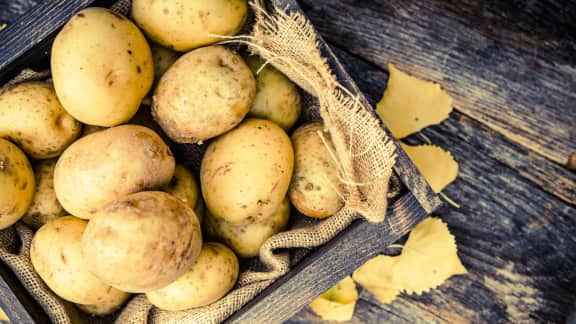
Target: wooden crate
{"points": [[26, 43]]}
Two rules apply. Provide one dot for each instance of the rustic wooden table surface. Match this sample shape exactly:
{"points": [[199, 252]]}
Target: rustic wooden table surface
{"points": [[511, 68]]}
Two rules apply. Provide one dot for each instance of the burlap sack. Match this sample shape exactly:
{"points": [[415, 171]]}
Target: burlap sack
{"points": [[362, 150]]}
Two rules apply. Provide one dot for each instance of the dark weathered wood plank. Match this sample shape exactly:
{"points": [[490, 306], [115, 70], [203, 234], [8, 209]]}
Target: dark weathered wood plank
{"points": [[520, 91], [514, 230], [544, 174], [329, 264]]}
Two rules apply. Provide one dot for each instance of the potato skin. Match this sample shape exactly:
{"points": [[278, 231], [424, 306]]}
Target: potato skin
{"points": [[246, 240], [142, 242], [56, 256], [101, 80], [163, 59], [106, 307], [185, 187], [135, 159], [313, 188], [277, 98], [33, 118], [246, 172], [16, 184], [185, 25], [205, 93], [212, 275], [45, 206]]}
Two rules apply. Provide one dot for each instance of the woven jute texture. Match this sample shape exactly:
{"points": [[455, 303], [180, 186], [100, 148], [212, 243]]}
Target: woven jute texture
{"points": [[360, 147]]}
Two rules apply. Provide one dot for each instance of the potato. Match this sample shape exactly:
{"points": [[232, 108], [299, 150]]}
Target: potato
{"points": [[109, 164], [106, 307], [185, 187], [204, 94], [163, 59], [101, 66], [185, 25], [277, 98], [16, 184], [246, 240], [45, 206], [315, 184], [33, 118], [142, 242], [212, 275], [246, 172], [56, 256]]}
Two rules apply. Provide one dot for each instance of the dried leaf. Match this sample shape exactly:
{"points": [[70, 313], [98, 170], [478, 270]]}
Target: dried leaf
{"points": [[410, 104], [436, 165], [428, 258], [376, 276], [337, 304]]}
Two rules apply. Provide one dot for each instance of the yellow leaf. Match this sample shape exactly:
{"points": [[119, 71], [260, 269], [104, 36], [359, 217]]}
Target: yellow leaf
{"points": [[3, 316], [337, 304], [436, 165], [428, 258], [410, 104], [376, 276]]}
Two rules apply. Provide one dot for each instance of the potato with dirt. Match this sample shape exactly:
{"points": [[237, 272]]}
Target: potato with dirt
{"points": [[277, 98], [142, 241], [16, 184], [163, 59], [33, 118], [185, 25], [246, 172], [109, 164], [45, 206], [101, 66], [184, 186], [316, 188], [212, 276], [205, 93], [246, 240], [56, 255], [106, 307]]}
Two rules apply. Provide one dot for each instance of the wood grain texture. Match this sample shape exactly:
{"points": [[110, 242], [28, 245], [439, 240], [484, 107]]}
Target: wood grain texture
{"points": [[496, 76], [514, 229], [330, 263]]}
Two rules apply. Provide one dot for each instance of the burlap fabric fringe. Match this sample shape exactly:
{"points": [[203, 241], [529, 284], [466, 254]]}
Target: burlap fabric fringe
{"points": [[361, 149]]}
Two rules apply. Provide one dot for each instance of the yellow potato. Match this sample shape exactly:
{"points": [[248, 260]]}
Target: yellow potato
{"points": [[104, 308], [185, 187], [101, 66], [204, 94], [163, 59], [212, 275], [45, 206], [56, 256], [109, 164], [315, 184], [246, 240], [32, 117], [277, 98], [185, 25], [16, 184], [142, 242], [246, 172]]}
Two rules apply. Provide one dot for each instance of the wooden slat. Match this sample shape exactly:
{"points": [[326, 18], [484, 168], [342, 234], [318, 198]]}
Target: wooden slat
{"points": [[329, 264], [514, 230], [526, 93], [543, 173]]}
